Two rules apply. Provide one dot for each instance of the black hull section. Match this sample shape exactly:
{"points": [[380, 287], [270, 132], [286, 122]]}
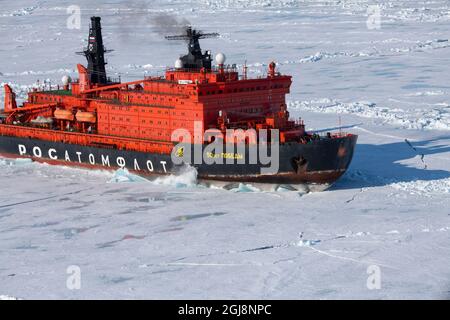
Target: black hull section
{"points": [[320, 162]]}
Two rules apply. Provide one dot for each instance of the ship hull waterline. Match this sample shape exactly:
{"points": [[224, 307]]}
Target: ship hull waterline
{"points": [[327, 160]]}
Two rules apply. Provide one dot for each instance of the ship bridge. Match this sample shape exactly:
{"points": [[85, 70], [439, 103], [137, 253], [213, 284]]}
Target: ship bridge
{"points": [[203, 75]]}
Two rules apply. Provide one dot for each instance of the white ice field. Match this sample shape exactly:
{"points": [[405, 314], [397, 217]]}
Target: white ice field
{"points": [[382, 232]]}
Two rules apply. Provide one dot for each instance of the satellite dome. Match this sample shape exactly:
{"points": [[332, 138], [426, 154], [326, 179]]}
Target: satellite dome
{"points": [[220, 58], [179, 64], [66, 80]]}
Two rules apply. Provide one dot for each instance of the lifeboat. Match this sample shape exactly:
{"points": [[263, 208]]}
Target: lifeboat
{"points": [[62, 114], [83, 116]]}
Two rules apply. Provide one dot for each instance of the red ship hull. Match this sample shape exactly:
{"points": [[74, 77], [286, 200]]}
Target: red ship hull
{"points": [[328, 160]]}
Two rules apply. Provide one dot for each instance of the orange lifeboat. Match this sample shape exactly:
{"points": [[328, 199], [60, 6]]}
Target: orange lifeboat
{"points": [[62, 114], [83, 116]]}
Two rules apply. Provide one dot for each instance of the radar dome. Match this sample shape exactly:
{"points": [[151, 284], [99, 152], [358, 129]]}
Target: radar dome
{"points": [[66, 80], [220, 58], [179, 64]]}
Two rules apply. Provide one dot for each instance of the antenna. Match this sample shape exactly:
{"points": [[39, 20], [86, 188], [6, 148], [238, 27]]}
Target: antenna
{"points": [[245, 70], [192, 34], [195, 59]]}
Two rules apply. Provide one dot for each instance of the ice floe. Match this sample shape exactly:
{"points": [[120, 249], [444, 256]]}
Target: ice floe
{"points": [[124, 176], [187, 177], [437, 118], [427, 188]]}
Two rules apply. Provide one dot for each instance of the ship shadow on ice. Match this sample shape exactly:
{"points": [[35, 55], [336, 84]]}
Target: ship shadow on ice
{"points": [[403, 161]]}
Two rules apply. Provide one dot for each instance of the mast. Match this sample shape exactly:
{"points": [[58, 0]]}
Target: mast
{"points": [[95, 53]]}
